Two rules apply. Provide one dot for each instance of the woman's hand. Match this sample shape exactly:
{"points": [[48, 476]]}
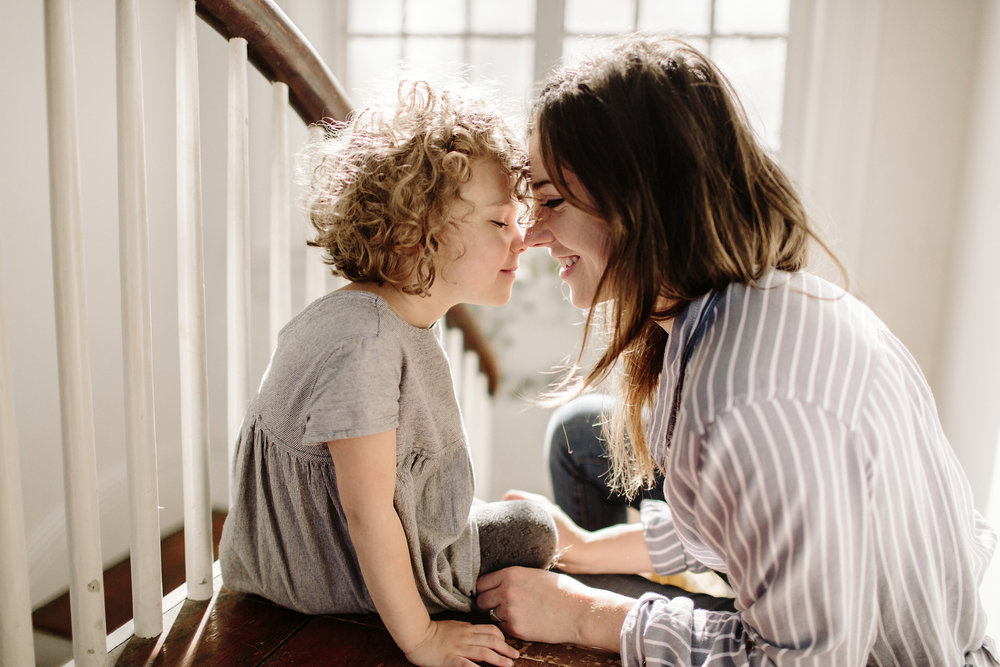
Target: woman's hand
{"points": [[539, 605], [619, 549], [459, 644]]}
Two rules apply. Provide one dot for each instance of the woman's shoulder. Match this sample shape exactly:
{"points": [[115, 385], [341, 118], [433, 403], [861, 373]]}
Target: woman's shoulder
{"points": [[792, 336], [783, 309]]}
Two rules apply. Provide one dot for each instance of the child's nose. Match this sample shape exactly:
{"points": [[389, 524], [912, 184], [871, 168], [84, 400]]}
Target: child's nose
{"points": [[519, 245]]}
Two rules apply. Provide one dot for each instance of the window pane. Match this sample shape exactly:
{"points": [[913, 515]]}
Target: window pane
{"points": [[375, 16], [438, 60], [435, 16], [756, 68], [751, 17], [599, 16], [700, 43], [675, 16], [504, 65], [372, 68], [576, 47], [503, 16]]}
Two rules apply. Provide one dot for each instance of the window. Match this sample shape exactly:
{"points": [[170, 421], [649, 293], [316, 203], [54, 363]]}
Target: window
{"points": [[474, 40], [512, 43], [746, 39]]}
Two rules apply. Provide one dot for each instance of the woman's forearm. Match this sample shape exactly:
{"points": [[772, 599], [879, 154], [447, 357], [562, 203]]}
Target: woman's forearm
{"points": [[601, 626], [618, 549]]}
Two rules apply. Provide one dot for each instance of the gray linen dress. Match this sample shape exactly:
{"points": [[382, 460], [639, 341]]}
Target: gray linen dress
{"points": [[348, 366]]}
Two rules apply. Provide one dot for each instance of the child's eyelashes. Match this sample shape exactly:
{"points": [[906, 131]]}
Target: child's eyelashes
{"points": [[499, 223]]}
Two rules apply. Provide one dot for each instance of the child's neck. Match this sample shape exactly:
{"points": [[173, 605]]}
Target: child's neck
{"points": [[419, 311]]}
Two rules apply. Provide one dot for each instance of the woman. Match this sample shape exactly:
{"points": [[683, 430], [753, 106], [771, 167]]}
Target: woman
{"points": [[801, 448]]}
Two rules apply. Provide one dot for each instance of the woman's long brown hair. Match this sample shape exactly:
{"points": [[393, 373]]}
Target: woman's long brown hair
{"points": [[693, 201]]}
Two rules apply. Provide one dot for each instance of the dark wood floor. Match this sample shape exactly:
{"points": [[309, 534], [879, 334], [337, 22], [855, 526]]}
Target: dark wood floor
{"points": [[238, 629], [54, 617]]}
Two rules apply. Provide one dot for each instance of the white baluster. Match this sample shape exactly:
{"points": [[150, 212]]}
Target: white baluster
{"points": [[191, 315], [280, 296], [16, 645], [76, 401], [137, 339], [237, 246], [473, 420], [453, 347], [484, 430], [316, 271]]}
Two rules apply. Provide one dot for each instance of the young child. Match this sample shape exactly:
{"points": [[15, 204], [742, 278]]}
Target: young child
{"points": [[353, 487]]}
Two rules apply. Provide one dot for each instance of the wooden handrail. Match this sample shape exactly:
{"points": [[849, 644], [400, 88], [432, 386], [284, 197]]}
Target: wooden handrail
{"points": [[280, 53], [473, 338]]}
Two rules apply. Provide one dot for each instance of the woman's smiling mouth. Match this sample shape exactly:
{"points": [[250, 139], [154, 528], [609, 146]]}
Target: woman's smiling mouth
{"points": [[567, 263]]}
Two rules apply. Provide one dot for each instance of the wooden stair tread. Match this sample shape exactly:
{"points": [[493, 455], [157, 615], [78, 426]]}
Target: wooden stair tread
{"points": [[54, 617], [240, 629]]}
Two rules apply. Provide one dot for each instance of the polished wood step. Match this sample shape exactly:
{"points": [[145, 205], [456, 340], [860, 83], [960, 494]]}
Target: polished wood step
{"points": [[240, 629], [54, 617]]}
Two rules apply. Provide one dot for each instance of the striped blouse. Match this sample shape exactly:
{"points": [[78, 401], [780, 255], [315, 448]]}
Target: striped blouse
{"points": [[806, 460]]}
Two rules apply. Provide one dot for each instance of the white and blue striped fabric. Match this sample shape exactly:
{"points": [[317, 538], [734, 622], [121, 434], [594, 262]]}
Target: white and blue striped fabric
{"points": [[806, 460]]}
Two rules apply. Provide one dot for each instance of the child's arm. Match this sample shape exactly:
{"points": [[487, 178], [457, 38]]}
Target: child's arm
{"points": [[366, 479]]}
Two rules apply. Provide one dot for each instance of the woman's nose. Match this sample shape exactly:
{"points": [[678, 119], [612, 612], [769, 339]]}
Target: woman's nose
{"points": [[538, 234]]}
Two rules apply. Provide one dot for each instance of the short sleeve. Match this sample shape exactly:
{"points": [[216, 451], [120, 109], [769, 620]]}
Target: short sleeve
{"points": [[356, 391]]}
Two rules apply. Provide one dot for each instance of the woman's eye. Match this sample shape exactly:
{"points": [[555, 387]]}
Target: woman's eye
{"points": [[551, 203]]}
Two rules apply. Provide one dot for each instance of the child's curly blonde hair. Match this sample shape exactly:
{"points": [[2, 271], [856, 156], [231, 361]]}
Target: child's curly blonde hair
{"points": [[381, 183]]}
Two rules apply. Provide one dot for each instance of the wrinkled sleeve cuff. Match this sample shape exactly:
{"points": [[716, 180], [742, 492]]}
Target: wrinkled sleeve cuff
{"points": [[665, 548], [670, 631]]}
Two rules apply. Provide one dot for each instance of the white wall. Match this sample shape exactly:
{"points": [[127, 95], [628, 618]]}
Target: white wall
{"points": [[969, 371], [969, 374]]}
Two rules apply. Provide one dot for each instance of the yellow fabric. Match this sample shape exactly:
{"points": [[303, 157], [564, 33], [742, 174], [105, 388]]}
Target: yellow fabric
{"points": [[695, 582]]}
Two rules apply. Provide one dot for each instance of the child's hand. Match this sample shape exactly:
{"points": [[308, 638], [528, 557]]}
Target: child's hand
{"points": [[460, 644]]}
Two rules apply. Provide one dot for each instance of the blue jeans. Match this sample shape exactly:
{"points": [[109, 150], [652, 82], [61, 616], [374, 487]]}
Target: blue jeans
{"points": [[579, 465]]}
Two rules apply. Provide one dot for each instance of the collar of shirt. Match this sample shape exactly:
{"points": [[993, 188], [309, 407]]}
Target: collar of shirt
{"points": [[681, 333]]}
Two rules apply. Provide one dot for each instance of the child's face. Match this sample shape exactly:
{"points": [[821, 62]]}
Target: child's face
{"points": [[480, 254]]}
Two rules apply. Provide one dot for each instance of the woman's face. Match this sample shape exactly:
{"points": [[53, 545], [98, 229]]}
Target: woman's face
{"points": [[576, 239]]}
